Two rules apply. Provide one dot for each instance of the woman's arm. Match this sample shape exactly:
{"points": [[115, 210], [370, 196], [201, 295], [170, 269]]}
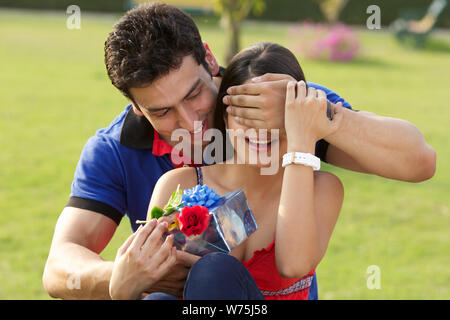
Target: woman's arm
{"points": [[309, 203], [307, 215], [166, 185]]}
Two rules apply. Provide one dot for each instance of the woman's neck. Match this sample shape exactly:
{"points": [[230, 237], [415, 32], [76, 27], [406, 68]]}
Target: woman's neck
{"points": [[247, 178]]}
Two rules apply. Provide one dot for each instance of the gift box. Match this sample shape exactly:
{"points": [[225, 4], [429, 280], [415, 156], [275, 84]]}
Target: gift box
{"points": [[230, 222]]}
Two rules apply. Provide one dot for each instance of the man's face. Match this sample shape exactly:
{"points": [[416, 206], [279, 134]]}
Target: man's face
{"points": [[178, 99]]}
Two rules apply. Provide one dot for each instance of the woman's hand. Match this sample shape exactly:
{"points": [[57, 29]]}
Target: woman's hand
{"points": [[141, 261], [305, 118]]}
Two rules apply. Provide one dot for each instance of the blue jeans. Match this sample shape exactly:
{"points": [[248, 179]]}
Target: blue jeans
{"points": [[313, 290], [218, 276]]}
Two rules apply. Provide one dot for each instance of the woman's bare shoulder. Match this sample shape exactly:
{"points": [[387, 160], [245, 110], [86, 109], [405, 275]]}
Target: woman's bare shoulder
{"points": [[186, 178]]}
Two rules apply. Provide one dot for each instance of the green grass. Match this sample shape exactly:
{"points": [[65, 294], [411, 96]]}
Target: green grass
{"points": [[55, 94]]}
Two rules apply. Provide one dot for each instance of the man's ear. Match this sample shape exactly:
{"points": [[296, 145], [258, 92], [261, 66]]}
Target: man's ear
{"points": [[211, 60]]}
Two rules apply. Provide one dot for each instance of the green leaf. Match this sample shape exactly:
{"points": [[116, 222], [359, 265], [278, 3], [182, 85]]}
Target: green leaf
{"points": [[170, 211], [175, 199], [156, 212]]}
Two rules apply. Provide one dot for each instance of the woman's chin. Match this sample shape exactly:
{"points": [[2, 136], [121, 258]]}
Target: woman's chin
{"points": [[260, 155]]}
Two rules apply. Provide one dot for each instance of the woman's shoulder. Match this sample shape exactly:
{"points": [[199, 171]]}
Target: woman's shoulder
{"points": [[186, 177], [168, 183]]}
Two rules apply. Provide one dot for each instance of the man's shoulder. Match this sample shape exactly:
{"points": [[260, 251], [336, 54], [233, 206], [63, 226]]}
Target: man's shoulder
{"points": [[113, 131], [331, 95], [105, 146]]}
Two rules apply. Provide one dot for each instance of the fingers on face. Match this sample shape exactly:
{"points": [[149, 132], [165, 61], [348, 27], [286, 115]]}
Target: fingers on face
{"points": [[321, 94], [301, 90], [257, 84], [290, 93], [241, 112], [250, 123], [296, 91], [244, 100], [250, 88], [312, 93], [322, 97]]}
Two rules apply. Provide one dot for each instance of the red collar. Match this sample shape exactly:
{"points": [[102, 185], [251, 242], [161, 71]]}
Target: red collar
{"points": [[161, 148]]}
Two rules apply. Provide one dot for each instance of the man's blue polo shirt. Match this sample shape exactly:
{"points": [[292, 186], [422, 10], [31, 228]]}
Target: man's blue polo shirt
{"points": [[118, 167]]}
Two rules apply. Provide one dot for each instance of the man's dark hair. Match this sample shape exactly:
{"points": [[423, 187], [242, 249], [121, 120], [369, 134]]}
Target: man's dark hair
{"points": [[147, 43], [257, 60]]}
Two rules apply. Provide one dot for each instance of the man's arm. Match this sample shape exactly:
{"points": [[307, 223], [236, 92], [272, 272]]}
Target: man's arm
{"points": [[74, 268], [388, 147]]}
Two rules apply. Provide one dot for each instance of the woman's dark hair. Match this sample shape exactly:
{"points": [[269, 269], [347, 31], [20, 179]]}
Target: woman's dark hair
{"points": [[148, 42], [254, 61]]}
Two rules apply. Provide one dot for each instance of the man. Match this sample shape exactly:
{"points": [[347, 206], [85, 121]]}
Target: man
{"points": [[156, 58]]}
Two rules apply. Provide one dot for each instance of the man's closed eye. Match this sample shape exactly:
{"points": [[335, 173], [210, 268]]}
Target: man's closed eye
{"points": [[160, 113]]}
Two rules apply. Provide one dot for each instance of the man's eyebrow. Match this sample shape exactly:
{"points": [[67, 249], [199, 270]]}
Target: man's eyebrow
{"points": [[150, 109], [195, 85]]}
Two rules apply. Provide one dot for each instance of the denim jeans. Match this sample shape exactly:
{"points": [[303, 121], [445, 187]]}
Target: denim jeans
{"points": [[219, 276], [313, 290], [216, 276]]}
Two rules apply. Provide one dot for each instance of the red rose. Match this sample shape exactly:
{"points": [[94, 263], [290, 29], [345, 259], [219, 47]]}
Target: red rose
{"points": [[193, 220]]}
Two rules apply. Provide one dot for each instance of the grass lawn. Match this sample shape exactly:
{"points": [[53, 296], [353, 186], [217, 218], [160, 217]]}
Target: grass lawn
{"points": [[55, 94]]}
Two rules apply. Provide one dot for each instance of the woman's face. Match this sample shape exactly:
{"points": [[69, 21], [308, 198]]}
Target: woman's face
{"points": [[252, 146]]}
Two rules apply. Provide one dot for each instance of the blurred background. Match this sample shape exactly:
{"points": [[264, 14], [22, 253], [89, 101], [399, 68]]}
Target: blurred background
{"points": [[387, 57]]}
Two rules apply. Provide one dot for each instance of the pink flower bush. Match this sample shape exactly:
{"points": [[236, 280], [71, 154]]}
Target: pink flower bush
{"points": [[325, 42]]}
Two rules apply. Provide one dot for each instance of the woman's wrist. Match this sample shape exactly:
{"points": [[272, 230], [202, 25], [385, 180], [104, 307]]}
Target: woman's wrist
{"points": [[302, 146]]}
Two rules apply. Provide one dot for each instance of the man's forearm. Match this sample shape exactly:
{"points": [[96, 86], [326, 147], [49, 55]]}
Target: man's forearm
{"points": [[74, 272], [388, 147]]}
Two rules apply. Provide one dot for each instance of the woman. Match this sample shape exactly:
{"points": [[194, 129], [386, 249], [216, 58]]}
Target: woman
{"points": [[295, 209]]}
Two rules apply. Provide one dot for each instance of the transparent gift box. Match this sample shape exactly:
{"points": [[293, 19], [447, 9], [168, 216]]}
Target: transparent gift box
{"points": [[231, 222]]}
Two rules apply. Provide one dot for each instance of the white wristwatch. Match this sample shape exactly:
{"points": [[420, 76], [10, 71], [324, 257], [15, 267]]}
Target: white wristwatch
{"points": [[306, 159]]}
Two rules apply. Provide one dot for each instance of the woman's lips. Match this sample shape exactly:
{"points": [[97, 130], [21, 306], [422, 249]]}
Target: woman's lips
{"points": [[259, 145]]}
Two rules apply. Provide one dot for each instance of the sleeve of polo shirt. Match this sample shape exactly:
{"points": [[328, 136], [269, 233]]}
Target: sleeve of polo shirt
{"points": [[322, 145], [98, 183]]}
